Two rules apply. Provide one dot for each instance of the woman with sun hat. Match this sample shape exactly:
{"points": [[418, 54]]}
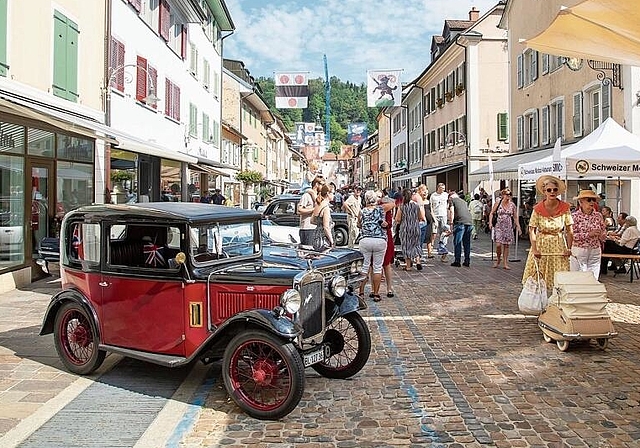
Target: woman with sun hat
{"points": [[550, 232], [589, 232]]}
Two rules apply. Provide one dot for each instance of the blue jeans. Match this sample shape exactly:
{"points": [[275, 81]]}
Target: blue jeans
{"points": [[462, 238]]}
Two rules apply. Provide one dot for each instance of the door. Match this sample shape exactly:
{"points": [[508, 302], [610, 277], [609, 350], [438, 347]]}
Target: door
{"points": [[41, 203]]}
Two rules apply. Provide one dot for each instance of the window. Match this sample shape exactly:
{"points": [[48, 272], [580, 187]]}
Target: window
{"points": [[206, 130], [4, 67], [461, 76], [606, 102], [530, 66], [193, 120], [427, 101], [432, 104], [83, 243], [545, 125], [520, 74], [577, 114], [206, 74], [556, 117], [403, 114], [531, 129], [193, 60], [144, 246], [172, 100], [520, 131], [65, 57], [165, 20], [216, 84], [545, 63], [146, 81], [150, 13], [503, 126], [212, 242], [177, 34], [116, 60], [74, 184], [555, 62], [137, 4]]}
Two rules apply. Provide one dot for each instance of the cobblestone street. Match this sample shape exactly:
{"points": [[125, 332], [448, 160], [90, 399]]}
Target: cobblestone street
{"points": [[453, 363]]}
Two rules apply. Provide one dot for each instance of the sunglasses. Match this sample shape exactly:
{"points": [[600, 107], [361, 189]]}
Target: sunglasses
{"points": [[590, 199], [552, 190], [507, 194]]}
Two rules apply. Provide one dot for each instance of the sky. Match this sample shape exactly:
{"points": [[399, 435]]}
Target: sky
{"points": [[355, 35]]}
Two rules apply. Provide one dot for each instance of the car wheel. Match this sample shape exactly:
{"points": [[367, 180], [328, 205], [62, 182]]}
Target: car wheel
{"points": [[76, 340], [546, 337], [350, 343], [602, 343], [263, 375], [563, 345], [341, 236]]}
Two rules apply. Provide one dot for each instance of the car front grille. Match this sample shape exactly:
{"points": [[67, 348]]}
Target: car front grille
{"points": [[343, 270], [311, 315]]}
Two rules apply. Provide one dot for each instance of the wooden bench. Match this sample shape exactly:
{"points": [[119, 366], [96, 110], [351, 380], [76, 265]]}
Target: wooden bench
{"points": [[634, 259]]}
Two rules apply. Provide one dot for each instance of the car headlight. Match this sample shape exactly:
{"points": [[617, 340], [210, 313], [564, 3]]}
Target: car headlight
{"points": [[338, 286], [359, 265], [290, 301], [354, 267]]}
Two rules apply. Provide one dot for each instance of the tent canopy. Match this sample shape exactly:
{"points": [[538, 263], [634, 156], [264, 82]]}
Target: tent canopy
{"points": [[609, 151], [602, 30]]}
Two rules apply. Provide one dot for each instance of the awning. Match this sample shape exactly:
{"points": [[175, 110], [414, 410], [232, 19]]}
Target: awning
{"points": [[138, 145], [442, 169], [506, 168], [57, 119], [206, 169], [602, 30], [412, 175]]}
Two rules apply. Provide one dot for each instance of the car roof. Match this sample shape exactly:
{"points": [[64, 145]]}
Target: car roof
{"points": [[187, 211]]}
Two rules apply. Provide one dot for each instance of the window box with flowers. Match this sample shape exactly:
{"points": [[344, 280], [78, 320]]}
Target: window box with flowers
{"points": [[440, 102], [459, 89], [449, 96]]}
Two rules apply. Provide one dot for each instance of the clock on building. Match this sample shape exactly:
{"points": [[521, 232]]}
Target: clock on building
{"points": [[574, 64]]}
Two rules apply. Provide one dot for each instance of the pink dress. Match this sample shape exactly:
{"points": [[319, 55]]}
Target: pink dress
{"points": [[503, 230]]}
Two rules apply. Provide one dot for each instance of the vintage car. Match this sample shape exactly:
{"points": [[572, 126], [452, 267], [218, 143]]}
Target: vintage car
{"points": [[171, 283], [282, 211]]}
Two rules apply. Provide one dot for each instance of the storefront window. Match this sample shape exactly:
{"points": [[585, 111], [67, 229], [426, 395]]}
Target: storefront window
{"points": [[75, 185], [123, 177], [40, 143], [74, 148], [170, 180], [11, 210], [11, 138]]}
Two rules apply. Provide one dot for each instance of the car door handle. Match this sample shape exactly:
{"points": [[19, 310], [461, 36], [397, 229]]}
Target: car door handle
{"points": [[103, 284]]}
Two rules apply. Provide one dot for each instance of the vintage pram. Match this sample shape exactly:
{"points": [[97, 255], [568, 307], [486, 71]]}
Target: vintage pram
{"points": [[577, 311]]}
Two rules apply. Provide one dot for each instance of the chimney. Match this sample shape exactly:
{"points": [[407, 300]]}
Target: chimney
{"points": [[474, 14]]}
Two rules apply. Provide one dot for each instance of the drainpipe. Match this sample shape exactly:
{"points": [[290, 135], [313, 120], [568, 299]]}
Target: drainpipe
{"points": [[466, 116], [107, 97]]}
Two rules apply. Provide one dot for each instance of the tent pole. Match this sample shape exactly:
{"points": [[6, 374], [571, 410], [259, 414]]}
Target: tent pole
{"points": [[516, 259], [618, 196]]}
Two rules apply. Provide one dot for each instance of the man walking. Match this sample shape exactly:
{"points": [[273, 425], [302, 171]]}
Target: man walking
{"points": [[460, 217], [439, 209], [476, 208], [218, 198], [352, 207], [305, 209]]}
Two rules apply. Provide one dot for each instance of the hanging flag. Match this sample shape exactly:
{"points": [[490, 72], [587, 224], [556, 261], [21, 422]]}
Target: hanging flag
{"points": [[384, 88], [292, 90]]}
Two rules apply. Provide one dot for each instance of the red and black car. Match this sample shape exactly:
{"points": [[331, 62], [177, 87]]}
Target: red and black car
{"points": [[171, 283]]}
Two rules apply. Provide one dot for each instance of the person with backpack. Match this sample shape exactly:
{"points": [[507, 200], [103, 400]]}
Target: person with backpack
{"points": [[476, 208]]}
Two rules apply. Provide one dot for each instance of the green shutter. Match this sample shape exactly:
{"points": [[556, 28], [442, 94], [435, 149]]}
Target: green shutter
{"points": [[72, 60], [193, 120], [4, 20], [59, 55], [503, 126]]}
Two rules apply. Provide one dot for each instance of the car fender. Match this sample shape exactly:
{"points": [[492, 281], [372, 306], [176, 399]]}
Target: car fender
{"points": [[59, 299], [351, 302], [266, 319]]}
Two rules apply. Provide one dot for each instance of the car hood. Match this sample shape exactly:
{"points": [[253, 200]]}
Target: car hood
{"points": [[288, 257]]}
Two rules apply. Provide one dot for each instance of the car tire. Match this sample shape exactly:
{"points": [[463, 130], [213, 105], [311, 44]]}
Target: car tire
{"points": [[76, 339], [350, 342], [341, 236], [263, 374]]}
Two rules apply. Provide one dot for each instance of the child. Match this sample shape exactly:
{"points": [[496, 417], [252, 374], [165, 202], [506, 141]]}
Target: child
{"points": [[442, 247]]}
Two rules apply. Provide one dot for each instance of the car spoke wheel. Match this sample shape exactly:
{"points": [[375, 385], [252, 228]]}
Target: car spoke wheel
{"points": [[263, 375], [350, 343], [341, 236], [76, 340]]}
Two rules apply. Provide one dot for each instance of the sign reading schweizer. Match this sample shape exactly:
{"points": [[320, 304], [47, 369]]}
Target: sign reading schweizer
{"points": [[615, 169]]}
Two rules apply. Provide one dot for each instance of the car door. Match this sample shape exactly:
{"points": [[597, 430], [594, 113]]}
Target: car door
{"points": [[142, 294], [284, 213]]}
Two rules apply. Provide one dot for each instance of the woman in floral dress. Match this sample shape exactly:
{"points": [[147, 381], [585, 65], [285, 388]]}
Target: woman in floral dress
{"points": [[550, 232], [503, 230], [589, 232], [409, 215]]}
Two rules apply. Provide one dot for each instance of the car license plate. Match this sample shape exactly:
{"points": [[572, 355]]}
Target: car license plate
{"points": [[314, 357]]}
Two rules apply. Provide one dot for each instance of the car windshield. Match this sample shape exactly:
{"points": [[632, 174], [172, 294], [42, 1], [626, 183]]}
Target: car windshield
{"points": [[221, 241]]}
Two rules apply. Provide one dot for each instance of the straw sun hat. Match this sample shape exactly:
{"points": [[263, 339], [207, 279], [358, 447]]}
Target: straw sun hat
{"points": [[543, 180], [586, 194]]}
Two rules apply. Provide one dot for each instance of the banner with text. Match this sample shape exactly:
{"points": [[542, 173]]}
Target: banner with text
{"points": [[292, 90], [384, 88]]}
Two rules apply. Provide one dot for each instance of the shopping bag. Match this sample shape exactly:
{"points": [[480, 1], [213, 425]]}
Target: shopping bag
{"points": [[533, 297]]}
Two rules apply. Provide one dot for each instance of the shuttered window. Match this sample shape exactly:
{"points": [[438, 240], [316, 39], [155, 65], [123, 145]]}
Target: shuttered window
{"points": [[577, 114], [65, 57], [146, 82], [172, 100], [193, 120], [116, 62], [503, 126], [137, 4], [165, 19], [4, 67], [206, 130]]}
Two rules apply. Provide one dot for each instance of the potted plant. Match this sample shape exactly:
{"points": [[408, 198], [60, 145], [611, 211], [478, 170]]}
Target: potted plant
{"points": [[459, 89], [440, 102], [119, 179], [449, 96]]}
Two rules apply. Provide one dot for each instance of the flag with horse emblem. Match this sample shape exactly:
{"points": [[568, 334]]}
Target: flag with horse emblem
{"points": [[384, 88], [153, 254]]}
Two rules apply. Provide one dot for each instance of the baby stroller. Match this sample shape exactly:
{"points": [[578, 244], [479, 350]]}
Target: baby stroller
{"points": [[577, 311]]}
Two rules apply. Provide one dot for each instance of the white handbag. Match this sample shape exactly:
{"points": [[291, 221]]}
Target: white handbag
{"points": [[533, 298]]}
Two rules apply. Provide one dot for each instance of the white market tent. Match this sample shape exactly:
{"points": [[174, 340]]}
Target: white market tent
{"points": [[608, 151], [602, 30]]}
